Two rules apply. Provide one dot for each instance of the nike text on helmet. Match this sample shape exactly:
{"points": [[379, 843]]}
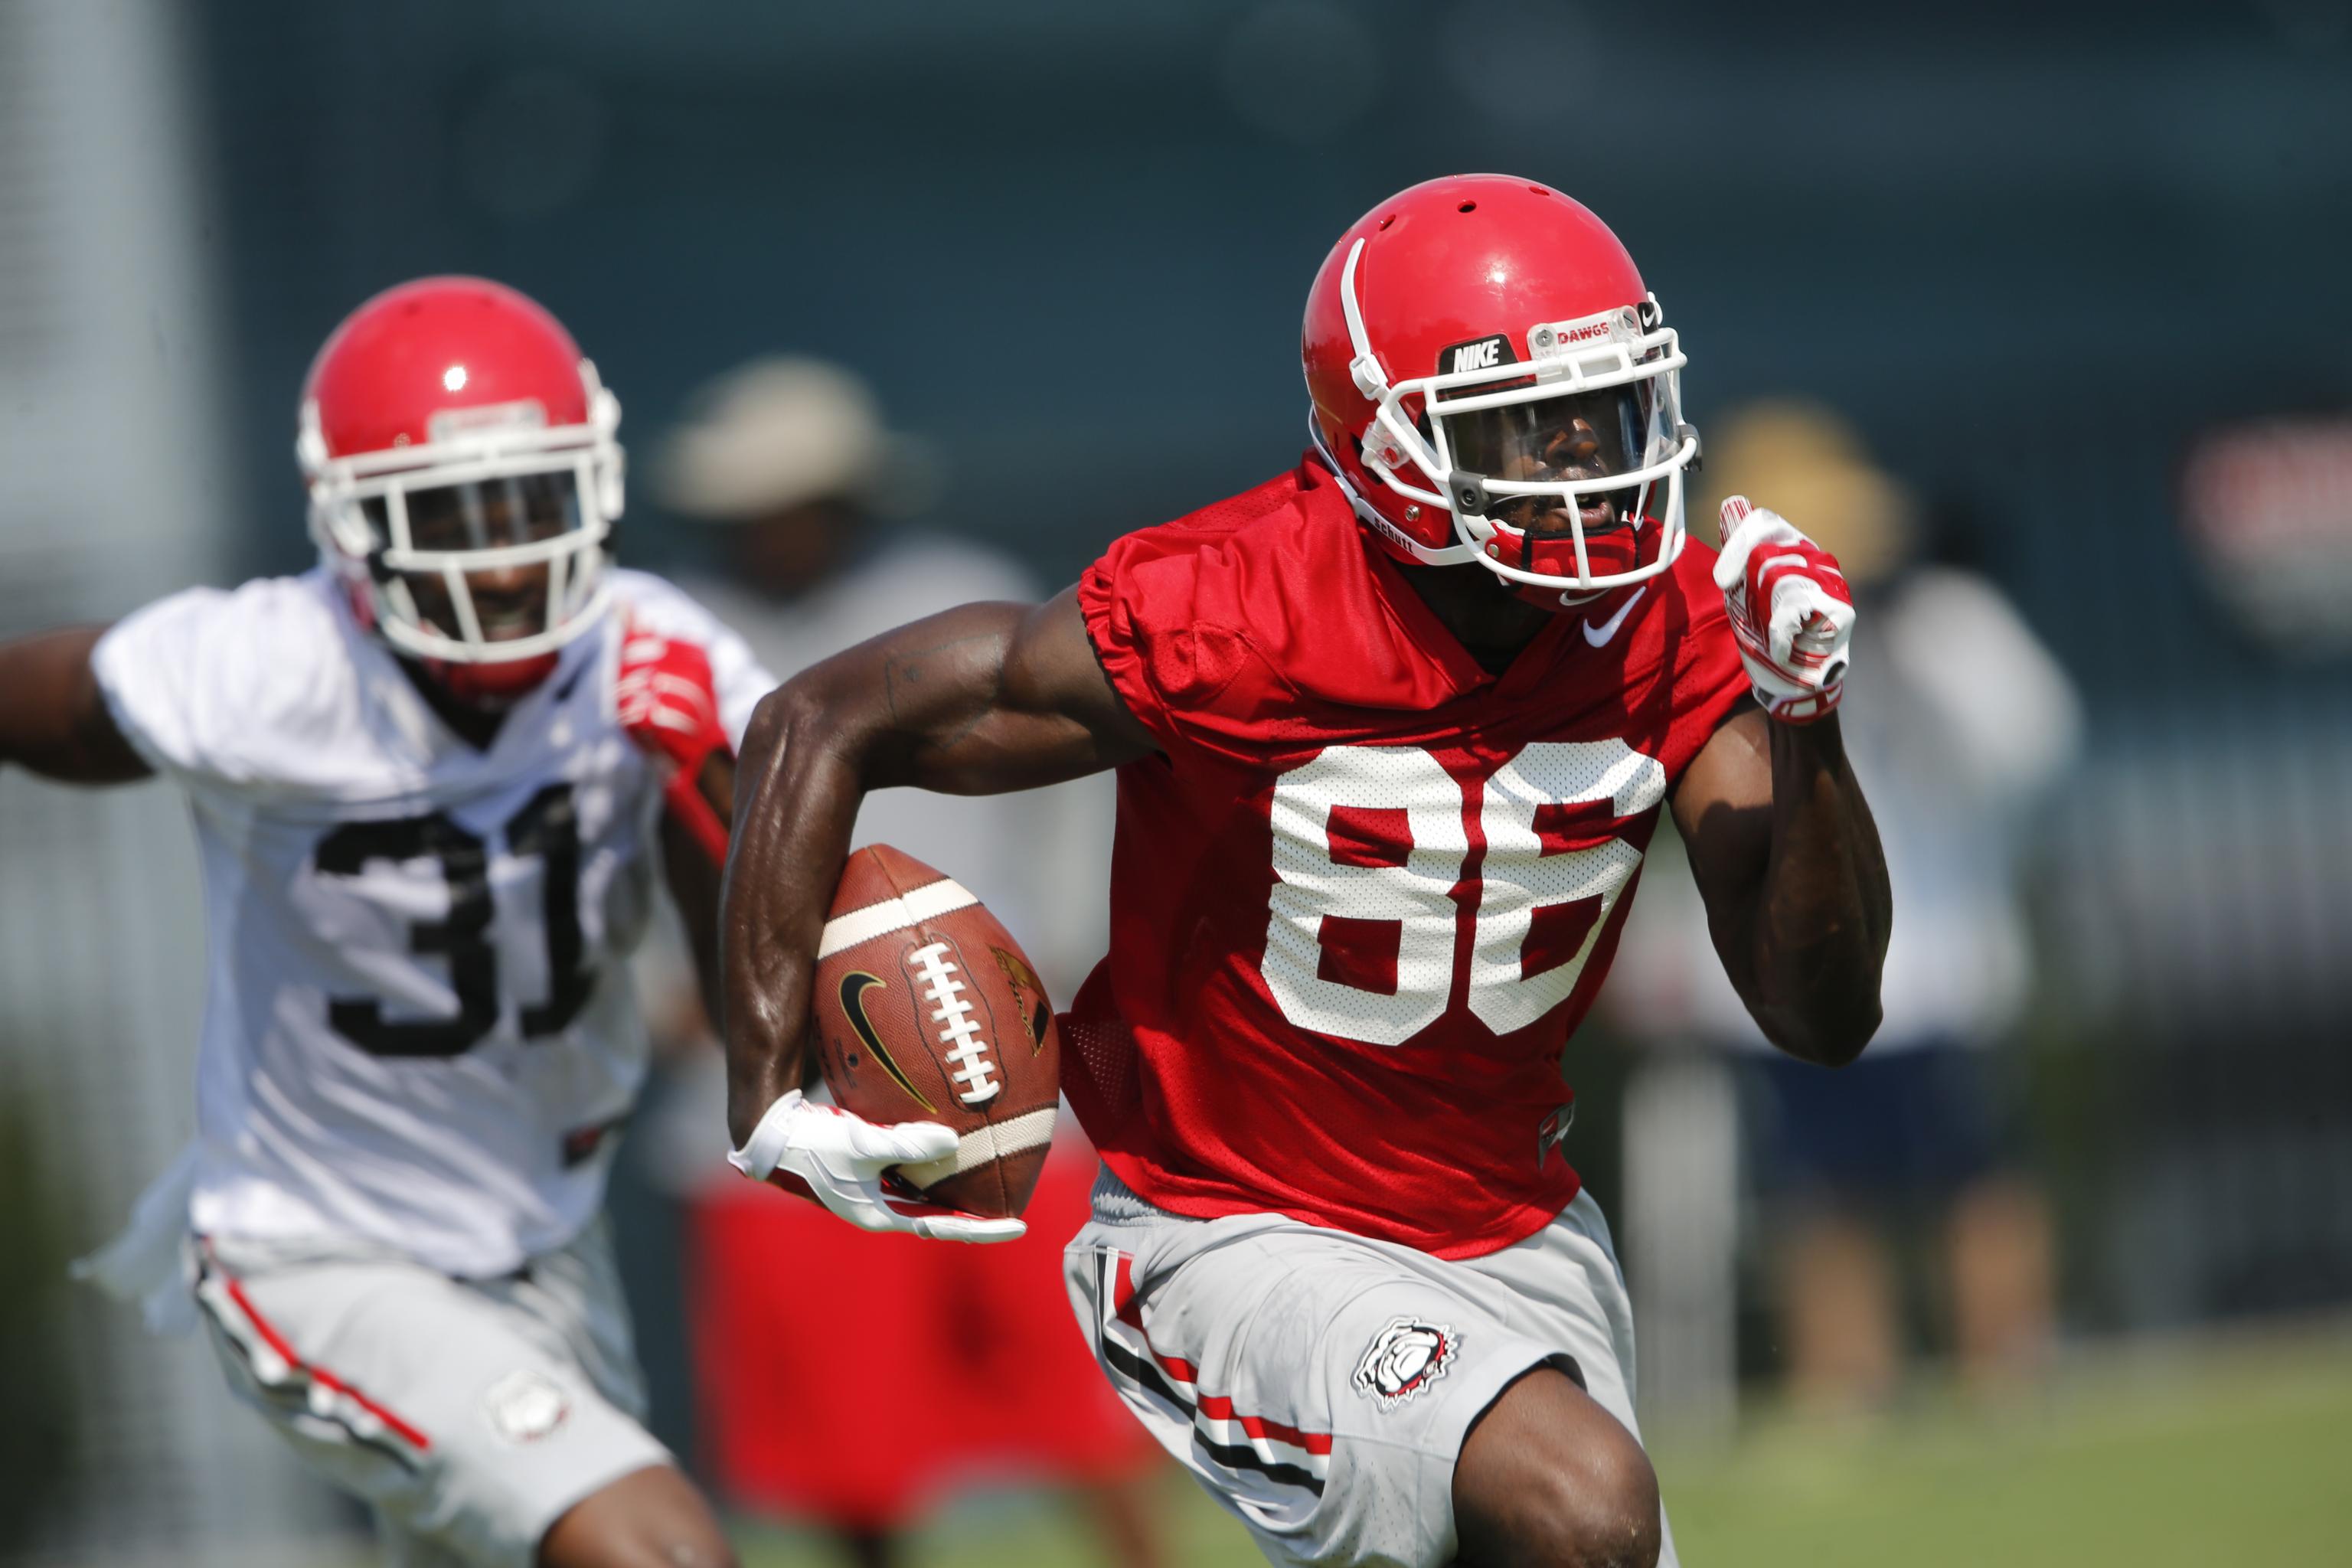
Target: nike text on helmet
{"points": [[455, 443], [1485, 365]]}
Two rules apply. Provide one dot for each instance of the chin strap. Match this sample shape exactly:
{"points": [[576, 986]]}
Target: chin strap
{"points": [[494, 686], [1370, 515]]}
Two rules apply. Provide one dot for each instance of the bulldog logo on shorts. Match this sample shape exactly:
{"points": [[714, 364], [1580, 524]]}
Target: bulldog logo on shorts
{"points": [[1404, 1359], [524, 1407]]}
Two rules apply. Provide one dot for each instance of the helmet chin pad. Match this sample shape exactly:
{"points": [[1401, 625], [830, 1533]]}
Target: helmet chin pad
{"points": [[1608, 552], [491, 686]]}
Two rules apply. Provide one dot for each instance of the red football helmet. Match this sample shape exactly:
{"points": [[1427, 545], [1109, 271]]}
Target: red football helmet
{"points": [[1492, 383], [464, 477]]}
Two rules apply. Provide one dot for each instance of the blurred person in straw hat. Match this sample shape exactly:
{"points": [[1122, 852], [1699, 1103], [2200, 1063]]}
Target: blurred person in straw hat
{"points": [[1922, 1130], [789, 461]]}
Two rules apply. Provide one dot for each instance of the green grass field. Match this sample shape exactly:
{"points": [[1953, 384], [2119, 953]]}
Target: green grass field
{"points": [[2239, 1456], [2223, 1453]]}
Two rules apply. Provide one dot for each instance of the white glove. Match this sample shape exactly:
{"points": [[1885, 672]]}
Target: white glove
{"points": [[840, 1158], [1790, 612]]}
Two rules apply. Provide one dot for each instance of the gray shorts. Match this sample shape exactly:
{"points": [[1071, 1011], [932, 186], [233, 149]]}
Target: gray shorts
{"points": [[471, 1413], [1320, 1383]]}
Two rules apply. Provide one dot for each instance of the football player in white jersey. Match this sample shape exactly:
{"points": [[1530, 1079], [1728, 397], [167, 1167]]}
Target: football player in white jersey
{"points": [[433, 780]]}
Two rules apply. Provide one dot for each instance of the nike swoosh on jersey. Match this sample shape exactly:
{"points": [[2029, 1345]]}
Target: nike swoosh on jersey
{"points": [[1608, 628], [852, 1003]]}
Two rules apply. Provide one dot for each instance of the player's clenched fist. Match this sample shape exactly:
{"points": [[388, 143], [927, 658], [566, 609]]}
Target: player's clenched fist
{"points": [[1790, 612], [668, 703], [840, 1159]]}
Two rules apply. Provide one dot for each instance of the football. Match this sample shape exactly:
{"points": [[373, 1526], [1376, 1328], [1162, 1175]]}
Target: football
{"points": [[925, 1009]]}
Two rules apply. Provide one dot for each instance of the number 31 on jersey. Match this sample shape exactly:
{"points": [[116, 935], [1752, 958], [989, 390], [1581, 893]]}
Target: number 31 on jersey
{"points": [[1371, 844], [547, 829]]}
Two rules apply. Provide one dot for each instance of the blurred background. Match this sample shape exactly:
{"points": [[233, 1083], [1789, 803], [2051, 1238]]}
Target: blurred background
{"points": [[2042, 304]]}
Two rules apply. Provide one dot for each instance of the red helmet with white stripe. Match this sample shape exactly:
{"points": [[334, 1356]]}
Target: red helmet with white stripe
{"points": [[464, 475], [1492, 383]]}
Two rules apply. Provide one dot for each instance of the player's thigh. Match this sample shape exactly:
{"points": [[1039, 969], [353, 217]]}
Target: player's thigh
{"points": [[1548, 1477], [1320, 1385], [1565, 1287], [461, 1420], [1567, 1290], [573, 1296], [652, 1518]]}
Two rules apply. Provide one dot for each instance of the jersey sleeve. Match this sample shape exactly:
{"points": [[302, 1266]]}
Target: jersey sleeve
{"points": [[223, 687], [662, 606], [1708, 682], [1161, 617]]}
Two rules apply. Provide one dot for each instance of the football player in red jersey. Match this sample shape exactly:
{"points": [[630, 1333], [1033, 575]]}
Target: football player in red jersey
{"points": [[1393, 731]]}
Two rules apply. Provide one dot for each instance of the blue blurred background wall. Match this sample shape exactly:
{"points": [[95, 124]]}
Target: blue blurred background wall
{"points": [[1070, 240]]}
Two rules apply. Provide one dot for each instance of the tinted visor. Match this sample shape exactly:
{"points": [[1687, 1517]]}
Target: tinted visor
{"points": [[1579, 437]]}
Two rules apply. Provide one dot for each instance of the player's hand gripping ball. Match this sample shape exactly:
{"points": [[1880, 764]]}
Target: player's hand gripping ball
{"points": [[850, 1165], [939, 1052], [1790, 612], [668, 703]]}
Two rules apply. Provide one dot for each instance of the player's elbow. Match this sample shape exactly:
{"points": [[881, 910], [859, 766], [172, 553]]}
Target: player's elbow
{"points": [[1843, 1045], [764, 731], [796, 714], [1829, 1037]]}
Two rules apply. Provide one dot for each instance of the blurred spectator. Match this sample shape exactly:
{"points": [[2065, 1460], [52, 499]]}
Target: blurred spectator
{"points": [[849, 1378], [1954, 750], [788, 458], [1957, 721]]}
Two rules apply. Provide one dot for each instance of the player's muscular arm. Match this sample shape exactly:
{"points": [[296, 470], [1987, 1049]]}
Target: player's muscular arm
{"points": [[53, 718], [1787, 860], [979, 701]]}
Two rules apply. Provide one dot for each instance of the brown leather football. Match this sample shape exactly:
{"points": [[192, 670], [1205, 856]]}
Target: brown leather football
{"points": [[927, 1010]]}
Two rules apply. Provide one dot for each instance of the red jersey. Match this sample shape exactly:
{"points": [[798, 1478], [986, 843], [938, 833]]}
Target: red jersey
{"points": [[1366, 889]]}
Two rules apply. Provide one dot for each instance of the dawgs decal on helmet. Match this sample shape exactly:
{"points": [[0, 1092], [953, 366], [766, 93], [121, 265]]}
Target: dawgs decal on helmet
{"points": [[1404, 1358]]}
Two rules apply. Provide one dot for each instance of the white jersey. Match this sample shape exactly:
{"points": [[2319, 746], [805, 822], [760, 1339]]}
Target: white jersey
{"points": [[420, 1027]]}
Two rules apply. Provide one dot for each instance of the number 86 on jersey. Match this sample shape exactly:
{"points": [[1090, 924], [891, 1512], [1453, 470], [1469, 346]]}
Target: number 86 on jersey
{"points": [[1406, 888]]}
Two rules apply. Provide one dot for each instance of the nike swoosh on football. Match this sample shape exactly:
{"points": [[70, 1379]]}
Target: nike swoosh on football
{"points": [[1609, 628], [852, 1003]]}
